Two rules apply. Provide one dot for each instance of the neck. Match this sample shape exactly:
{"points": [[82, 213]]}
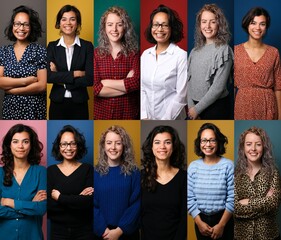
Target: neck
{"points": [[113, 163], [21, 163], [211, 159], [163, 166], [69, 163], [69, 39], [255, 166], [253, 43], [162, 47], [22, 43]]}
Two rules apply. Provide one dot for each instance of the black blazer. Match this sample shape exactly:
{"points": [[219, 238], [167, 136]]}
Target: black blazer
{"points": [[82, 60]]}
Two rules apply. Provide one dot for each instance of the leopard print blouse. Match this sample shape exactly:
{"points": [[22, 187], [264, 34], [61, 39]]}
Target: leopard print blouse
{"points": [[258, 219]]}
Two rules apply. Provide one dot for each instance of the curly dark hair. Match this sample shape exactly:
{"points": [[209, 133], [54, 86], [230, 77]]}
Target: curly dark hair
{"points": [[267, 158], [251, 14], [69, 8], [221, 140], [79, 139], [7, 159], [34, 21], [175, 24], [149, 165]]}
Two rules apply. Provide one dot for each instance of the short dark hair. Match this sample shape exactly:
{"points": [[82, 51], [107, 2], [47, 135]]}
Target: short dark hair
{"points": [[34, 156], [221, 140], [174, 22], [34, 21], [79, 139], [251, 14], [69, 8]]}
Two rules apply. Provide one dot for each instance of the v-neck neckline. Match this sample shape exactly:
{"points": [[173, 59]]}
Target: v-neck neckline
{"points": [[24, 177], [250, 59]]}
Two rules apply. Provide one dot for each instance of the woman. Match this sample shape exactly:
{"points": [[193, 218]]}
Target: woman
{"points": [[22, 185], [257, 71], [70, 188], [23, 73], [209, 66], [116, 68], [117, 188], [163, 212], [210, 196], [70, 68], [164, 68], [257, 188]]}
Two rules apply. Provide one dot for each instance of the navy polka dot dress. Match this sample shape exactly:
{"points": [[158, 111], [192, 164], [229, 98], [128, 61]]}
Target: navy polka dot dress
{"points": [[16, 107]]}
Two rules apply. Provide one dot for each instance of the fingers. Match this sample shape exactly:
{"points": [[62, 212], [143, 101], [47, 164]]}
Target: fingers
{"points": [[87, 191]]}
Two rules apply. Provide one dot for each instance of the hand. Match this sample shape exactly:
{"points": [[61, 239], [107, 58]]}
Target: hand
{"points": [[8, 202], [41, 195], [217, 231], [192, 114], [131, 74], [53, 67], [106, 231], [244, 201], [78, 73], [113, 234], [87, 191], [270, 192], [203, 227], [55, 194]]}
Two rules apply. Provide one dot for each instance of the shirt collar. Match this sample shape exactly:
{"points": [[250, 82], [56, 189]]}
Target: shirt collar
{"points": [[76, 41], [170, 50]]}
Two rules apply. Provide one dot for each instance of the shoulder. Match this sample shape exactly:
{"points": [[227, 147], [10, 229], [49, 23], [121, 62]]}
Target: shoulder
{"points": [[194, 164], [52, 168], [147, 51], [85, 43], [273, 50], [53, 43], [238, 46], [39, 168], [87, 166]]}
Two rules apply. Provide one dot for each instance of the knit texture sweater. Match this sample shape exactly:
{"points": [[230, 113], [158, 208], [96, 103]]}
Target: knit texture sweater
{"points": [[210, 187], [116, 201]]}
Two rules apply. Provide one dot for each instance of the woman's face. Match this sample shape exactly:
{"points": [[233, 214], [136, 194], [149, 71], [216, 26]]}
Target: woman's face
{"points": [[253, 148], [257, 27], [161, 30], [209, 26], [208, 143], [114, 28], [20, 145], [68, 146], [113, 147], [162, 146], [21, 26], [68, 23]]}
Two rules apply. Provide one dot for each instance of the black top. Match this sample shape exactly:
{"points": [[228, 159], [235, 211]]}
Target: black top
{"points": [[164, 211], [71, 209]]}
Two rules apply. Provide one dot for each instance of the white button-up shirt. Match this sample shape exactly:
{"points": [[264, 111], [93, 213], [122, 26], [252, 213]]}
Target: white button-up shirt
{"points": [[164, 83]]}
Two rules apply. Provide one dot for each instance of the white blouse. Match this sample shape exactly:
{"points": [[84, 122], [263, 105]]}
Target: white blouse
{"points": [[164, 84]]}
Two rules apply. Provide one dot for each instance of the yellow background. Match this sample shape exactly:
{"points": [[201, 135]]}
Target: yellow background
{"points": [[227, 128], [86, 8], [131, 126]]}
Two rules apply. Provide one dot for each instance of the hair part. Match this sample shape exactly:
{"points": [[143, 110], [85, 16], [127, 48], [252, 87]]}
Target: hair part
{"points": [[7, 158], [69, 8], [34, 21], [223, 35], [148, 162], [127, 162], [251, 14], [267, 159], [175, 24], [79, 139], [129, 40], [220, 138]]}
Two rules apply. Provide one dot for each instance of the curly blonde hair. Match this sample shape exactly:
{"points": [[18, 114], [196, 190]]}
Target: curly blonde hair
{"points": [[223, 35], [267, 158], [129, 40], [127, 158]]}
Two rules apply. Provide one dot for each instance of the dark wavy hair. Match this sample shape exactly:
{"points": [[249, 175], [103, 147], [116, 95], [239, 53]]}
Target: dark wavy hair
{"points": [[251, 14], [221, 140], [79, 139], [69, 8], [7, 159], [34, 21], [267, 158], [149, 165], [175, 24]]}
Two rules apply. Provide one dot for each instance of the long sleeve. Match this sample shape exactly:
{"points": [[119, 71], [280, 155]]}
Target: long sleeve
{"points": [[144, 101], [133, 84], [192, 205]]}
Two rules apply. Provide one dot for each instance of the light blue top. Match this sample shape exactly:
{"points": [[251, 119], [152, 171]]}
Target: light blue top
{"points": [[25, 220], [210, 187]]}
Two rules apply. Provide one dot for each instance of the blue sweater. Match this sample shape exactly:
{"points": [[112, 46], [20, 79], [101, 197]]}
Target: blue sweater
{"points": [[116, 201], [25, 220], [210, 187]]}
